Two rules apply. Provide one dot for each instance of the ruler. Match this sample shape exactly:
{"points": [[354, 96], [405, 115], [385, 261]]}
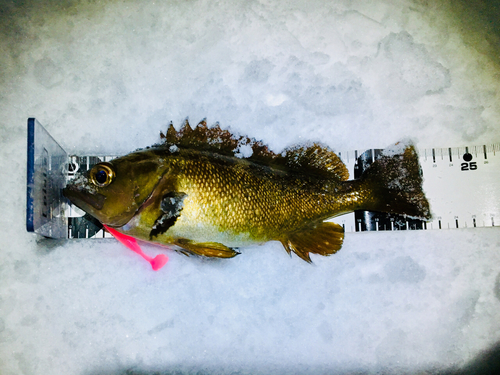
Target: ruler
{"points": [[462, 185]]}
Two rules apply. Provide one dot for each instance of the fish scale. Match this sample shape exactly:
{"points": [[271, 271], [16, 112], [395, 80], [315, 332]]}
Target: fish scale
{"points": [[461, 183], [253, 200]]}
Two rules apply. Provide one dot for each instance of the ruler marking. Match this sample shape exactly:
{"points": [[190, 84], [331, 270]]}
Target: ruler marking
{"points": [[434, 156], [449, 153], [485, 153]]}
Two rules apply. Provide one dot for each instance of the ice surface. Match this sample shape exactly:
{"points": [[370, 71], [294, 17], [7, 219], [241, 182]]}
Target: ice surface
{"points": [[108, 76]]}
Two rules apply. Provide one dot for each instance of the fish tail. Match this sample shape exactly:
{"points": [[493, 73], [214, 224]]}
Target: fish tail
{"points": [[395, 180]]}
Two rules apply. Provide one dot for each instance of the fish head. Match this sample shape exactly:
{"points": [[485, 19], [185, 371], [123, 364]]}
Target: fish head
{"points": [[114, 191]]}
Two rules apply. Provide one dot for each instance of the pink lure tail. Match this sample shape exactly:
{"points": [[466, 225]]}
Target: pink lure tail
{"points": [[157, 262]]}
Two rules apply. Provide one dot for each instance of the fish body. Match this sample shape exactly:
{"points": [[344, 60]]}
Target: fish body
{"points": [[196, 191]]}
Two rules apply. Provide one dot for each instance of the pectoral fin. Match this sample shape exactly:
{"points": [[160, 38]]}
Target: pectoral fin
{"points": [[325, 239], [206, 249]]}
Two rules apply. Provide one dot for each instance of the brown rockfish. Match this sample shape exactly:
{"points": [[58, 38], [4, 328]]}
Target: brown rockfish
{"points": [[209, 192]]}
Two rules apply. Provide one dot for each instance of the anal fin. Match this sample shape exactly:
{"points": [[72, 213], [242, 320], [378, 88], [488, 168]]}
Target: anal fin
{"points": [[324, 238], [206, 249]]}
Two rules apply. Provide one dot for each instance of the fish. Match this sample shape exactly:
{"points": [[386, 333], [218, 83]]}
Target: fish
{"points": [[209, 192]]}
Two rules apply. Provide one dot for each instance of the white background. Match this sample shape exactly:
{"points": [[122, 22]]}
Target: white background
{"points": [[106, 77]]}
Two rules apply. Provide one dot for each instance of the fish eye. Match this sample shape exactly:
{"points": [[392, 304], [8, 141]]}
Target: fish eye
{"points": [[102, 174]]}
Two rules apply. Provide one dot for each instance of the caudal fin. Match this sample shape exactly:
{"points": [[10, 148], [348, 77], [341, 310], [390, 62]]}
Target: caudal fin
{"points": [[396, 183]]}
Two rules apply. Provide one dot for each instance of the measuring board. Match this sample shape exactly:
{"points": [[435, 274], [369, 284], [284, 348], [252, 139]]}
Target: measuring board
{"points": [[462, 185]]}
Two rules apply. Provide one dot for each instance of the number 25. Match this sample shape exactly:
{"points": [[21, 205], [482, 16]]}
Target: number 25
{"points": [[472, 166]]}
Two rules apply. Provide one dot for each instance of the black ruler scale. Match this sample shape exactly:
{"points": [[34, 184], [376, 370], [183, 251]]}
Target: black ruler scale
{"points": [[467, 182], [462, 185]]}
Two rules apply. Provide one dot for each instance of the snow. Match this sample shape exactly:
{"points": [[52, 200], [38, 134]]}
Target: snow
{"points": [[106, 77]]}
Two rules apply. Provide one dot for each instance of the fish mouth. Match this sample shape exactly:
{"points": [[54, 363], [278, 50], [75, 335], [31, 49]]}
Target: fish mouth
{"points": [[84, 199]]}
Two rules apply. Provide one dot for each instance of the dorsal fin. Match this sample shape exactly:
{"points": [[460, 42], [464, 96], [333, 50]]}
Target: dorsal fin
{"points": [[316, 159], [313, 159], [215, 139]]}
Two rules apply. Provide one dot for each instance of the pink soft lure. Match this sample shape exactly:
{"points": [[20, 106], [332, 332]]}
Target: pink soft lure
{"points": [[157, 262]]}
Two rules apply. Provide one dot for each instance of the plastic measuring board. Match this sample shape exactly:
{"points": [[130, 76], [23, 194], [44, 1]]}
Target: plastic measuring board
{"points": [[46, 176], [462, 185]]}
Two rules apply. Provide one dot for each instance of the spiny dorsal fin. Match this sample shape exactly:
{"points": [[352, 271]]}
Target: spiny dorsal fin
{"points": [[313, 159], [215, 139]]}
